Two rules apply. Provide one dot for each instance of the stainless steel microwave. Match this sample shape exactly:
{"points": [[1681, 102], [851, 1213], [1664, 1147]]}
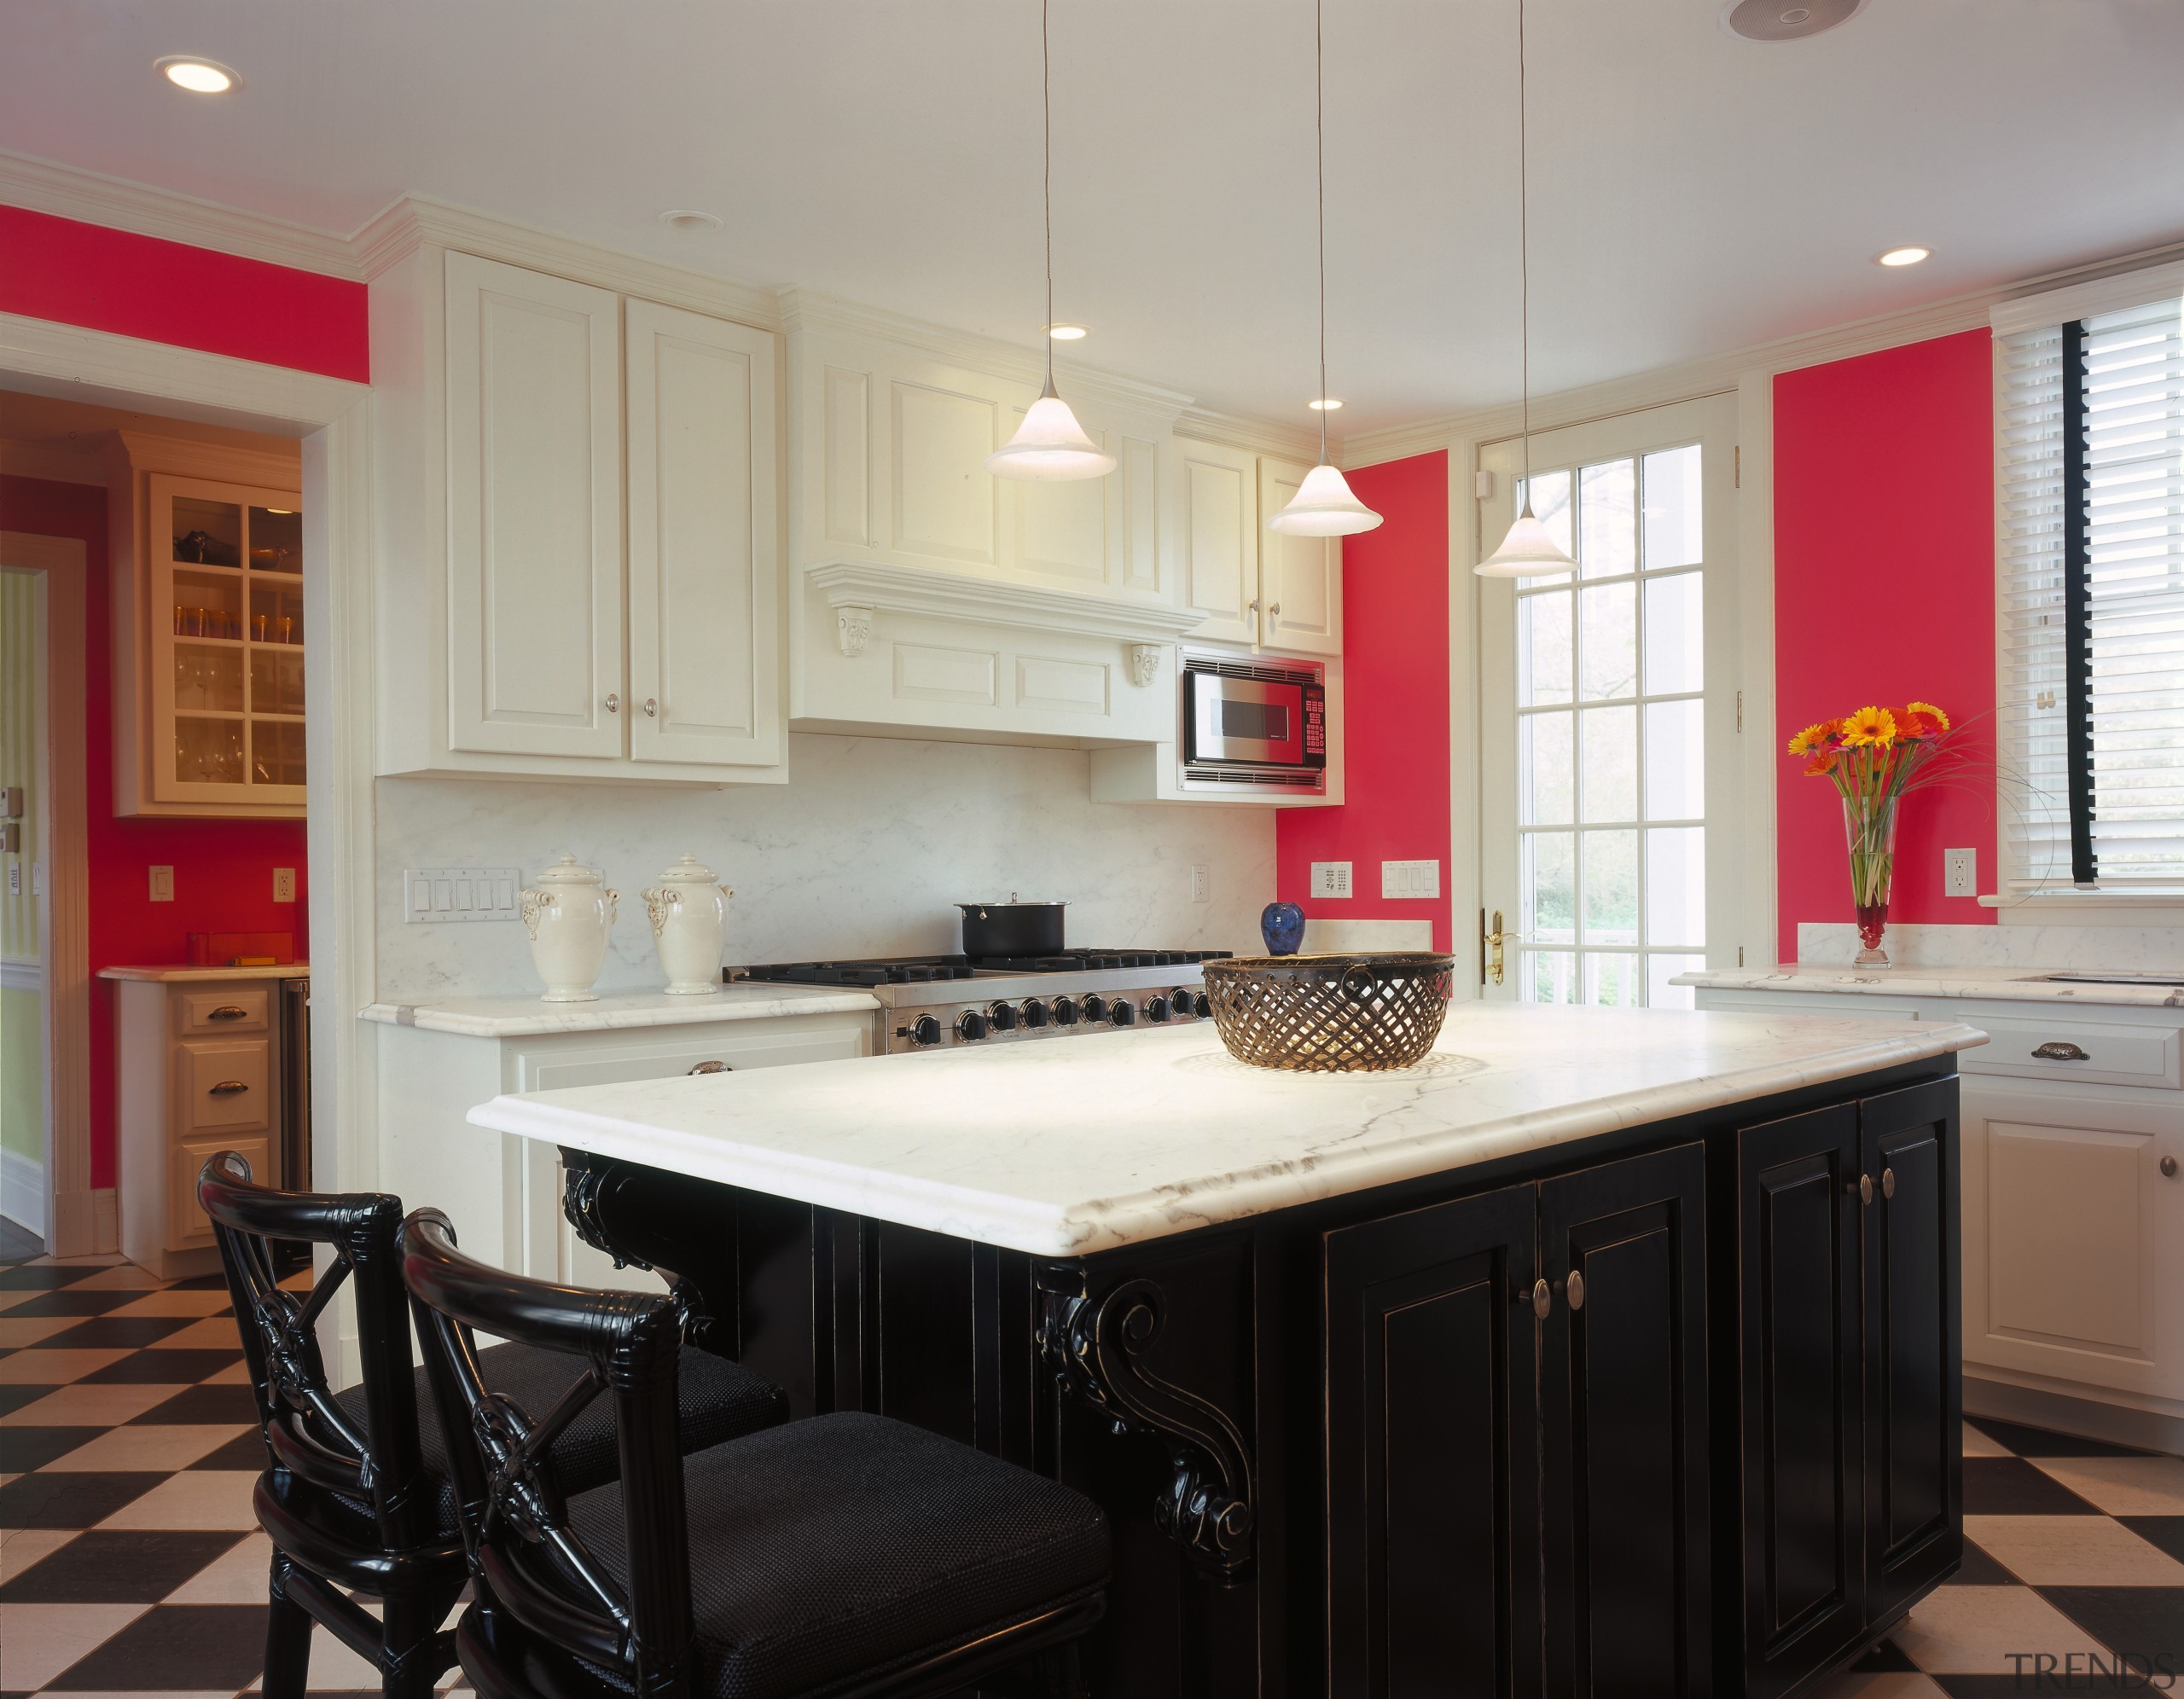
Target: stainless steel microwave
{"points": [[1253, 723]]}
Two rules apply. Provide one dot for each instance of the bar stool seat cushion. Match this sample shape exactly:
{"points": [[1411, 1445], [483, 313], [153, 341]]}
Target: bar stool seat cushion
{"points": [[851, 1543], [717, 1400]]}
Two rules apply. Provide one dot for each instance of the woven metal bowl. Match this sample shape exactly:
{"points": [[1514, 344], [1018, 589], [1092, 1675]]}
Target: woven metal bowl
{"points": [[1330, 1014]]}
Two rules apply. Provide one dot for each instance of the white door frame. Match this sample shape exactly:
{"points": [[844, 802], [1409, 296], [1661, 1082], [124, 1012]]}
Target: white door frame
{"points": [[333, 419]]}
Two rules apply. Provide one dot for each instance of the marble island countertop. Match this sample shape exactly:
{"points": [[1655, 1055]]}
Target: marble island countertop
{"points": [[528, 1017], [1067, 1147], [2006, 984]]}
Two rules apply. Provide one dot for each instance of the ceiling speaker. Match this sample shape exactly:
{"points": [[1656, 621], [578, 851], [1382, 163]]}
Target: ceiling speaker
{"points": [[1786, 20]]}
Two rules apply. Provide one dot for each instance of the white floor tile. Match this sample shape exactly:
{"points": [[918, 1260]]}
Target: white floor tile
{"points": [[38, 1641], [1885, 1683], [1972, 1631], [239, 1576], [20, 1547], [236, 1373], [37, 1367], [121, 1277], [18, 1330], [213, 1333], [174, 1302], [2073, 1551], [202, 1499], [2122, 1486], [150, 1446], [1977, 1444], [90, 1406]]}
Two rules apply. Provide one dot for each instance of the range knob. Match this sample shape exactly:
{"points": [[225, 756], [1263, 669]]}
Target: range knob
{"points": [[1095, 1008], [1179, 1003], [970, 1026], [1122, 1014], [1035, 1013], [1065, 1012], [1201, 1006], [925, 1029], [1002, 1017], [1156, 1010]]}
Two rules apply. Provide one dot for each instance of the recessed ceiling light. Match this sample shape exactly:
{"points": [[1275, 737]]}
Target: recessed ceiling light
{"points": [[199, 76], [1326, 404], [1903, 256], [1067, 332], [1773, 20], [684, 218]]}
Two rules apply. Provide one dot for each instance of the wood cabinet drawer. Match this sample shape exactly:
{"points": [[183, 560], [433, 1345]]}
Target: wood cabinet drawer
{"points": [[188, 1228], [223, 1085], [234, 1008], [2098, 1052]]}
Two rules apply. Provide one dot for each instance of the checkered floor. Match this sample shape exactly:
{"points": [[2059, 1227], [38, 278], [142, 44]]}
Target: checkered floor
{"points": [[130, 1562]]}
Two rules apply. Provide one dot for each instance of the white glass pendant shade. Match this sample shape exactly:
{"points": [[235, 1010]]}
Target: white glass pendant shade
{"points": [[1323, 506], [1528, 551], [1049, 446]]}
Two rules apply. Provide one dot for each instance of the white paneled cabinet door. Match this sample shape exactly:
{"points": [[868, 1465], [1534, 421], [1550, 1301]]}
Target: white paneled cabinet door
{"points": [[534, 464], [1300, 577], [705, 579], [1220, 538]]}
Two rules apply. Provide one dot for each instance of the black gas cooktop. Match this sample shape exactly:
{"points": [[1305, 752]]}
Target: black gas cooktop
{"points": [[919, 970]]}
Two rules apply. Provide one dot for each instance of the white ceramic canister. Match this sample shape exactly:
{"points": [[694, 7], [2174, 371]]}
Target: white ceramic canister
{"points": [[568, 915], [689, 922]]}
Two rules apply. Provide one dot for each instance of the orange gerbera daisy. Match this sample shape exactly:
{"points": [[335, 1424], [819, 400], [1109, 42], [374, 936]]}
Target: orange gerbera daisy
{"points": [[1826, 762], [1811, 739], [1870, 727], [1931, 712]]}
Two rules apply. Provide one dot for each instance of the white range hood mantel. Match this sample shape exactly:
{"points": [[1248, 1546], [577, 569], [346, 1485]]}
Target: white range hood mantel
{"points": [[849, 586]]}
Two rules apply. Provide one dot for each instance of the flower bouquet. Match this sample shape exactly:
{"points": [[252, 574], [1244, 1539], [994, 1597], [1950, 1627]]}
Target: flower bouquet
{"points": [[1876, 757]]}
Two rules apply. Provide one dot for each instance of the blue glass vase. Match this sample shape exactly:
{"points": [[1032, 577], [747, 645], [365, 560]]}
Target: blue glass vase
{"points": [[1282, 926]]}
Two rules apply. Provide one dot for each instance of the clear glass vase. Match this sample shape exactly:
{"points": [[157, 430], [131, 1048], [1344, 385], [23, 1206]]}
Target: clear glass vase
{"points": [[1870, 832]]}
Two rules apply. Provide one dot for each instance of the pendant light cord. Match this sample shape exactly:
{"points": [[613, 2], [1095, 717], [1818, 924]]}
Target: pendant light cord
{"points": [[1320, 154], [1524, 262], [1047, 178]]}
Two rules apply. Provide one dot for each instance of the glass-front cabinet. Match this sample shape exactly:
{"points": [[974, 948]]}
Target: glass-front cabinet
{"points": [[225, 622]]}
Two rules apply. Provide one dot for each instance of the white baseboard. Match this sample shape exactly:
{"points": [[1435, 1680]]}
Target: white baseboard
{"points": [[86, 1223], [22, 1191], [2090, 1417]]}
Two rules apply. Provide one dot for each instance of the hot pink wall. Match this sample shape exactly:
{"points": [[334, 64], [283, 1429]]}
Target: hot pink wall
{"points": [[1395, 675], [188, 297], [1885, 591]]}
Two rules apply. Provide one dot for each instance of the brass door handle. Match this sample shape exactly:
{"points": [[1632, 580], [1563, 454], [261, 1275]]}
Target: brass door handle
{"points": [[712, 1068], [228, 1011], [1490, 965], [227, 1088]]}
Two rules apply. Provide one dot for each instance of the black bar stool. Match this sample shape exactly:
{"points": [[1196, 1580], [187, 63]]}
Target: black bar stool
{"points": [[848, 1556], [358, 1495]]}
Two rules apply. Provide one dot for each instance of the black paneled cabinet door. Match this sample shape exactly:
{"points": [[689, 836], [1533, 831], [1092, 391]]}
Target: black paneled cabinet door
{"points": [[1801, 1413], [1432, 1507], [1623, 1408]]}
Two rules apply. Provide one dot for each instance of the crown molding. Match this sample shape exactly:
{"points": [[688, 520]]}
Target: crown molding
{"points": [[1259, 436], [188, 457], [994, 602], [117, 204]]}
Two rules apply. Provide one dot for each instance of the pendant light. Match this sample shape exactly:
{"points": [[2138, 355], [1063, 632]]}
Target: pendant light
{"points": [[1528, 549], [1049, 446], [1323, 505]]}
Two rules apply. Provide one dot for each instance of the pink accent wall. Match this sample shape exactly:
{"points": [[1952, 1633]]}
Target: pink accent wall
{"points": [[1395, 620], [186, 297], [1885, 592]]}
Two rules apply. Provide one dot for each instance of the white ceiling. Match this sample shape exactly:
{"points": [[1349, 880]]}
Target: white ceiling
{"points": [[1691, 193]]}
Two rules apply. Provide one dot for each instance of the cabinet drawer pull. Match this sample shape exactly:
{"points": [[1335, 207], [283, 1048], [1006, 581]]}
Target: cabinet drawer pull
{"points": [[2060, 1050], [1888, 1182], [228, 1011], [712, 1068], [1542, 1299], [1574, 1289], [2169, 1167], [227, 1088]]}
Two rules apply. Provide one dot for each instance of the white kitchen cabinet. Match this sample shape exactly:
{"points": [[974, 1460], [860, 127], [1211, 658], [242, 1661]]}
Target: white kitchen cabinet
{"points": [[1254, 585], [1300, 577]]}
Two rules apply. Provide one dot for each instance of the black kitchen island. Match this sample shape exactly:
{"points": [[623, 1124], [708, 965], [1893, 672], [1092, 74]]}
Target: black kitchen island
{"points": [[1605, 1353]]}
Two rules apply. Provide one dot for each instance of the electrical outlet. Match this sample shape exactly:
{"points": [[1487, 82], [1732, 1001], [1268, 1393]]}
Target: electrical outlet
{"points": [[461, 894], [15, 879], [1331, 878], [1410, 879], [284, 884], [1959, 872], [163, 884], [1201, 884]]}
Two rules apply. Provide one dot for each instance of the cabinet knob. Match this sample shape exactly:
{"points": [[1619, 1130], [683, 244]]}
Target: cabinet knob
{"points": [[227, 1088], [1864, 1188], [1274, 610], [228, 1011], [2060, 1050], [652, 707], [1542, 1299], [2169, 1167], [712, 1068], [1888, 1182], [1574, 1290], [613, 702]]}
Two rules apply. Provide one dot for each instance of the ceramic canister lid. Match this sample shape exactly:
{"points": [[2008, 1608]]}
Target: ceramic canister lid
{"points": [[689, 871], [567, 872]]}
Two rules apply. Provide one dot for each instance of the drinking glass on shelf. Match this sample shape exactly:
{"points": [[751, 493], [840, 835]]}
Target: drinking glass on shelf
{"points": [[284, 626], [258, 627]]}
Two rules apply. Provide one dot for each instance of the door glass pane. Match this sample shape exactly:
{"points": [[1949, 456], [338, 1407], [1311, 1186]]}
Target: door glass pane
{"points": [[276, 611], [1549, 915], [1674, 635], [207, 533], [1607, 641], [1545, 774], [1612, 978], [1607, 498], [276, 752], [1547, 976], [1675, 885], [277, 539], [1675, 765], [207, 605], [1661, 969], [1543, 648], [1609, 787], [207, 751], [207, 677], [1609, 873], [1673, 508], [276, 681]]}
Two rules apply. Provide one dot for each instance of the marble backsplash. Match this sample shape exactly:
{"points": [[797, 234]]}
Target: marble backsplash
{"points": [[1828, 944], [864, 852]]}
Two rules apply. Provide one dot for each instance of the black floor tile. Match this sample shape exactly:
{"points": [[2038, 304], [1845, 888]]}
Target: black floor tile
{"points": [[69, 1301], [112, 1567], [2041, 1442], [184, 1368], [194, 1648], [2166, 1532], [200, 1283], [1993, 1486], [15, 1397], [106, 1331], [71, 1500], [1885, 1656], [23, 1449], [26, 1277], [245, 1451], [202, 1405], [2145, 1624], [1980, 1570]]}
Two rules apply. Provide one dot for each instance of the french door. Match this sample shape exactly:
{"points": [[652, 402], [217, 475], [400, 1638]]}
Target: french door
{"points": [[1608, 710]]}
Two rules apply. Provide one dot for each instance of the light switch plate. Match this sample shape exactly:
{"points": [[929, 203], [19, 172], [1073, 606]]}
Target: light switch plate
{"points": [[1959, 872], [1201, 882], [163, 884], [15, 879], [461, 894], [1331, 878], [284, 884], [1410, 879]]}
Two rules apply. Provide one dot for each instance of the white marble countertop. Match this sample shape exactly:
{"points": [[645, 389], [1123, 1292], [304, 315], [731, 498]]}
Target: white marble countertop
{"points": [[1077, 1146], [180, 975], [526, 1017], [2002, 985]]}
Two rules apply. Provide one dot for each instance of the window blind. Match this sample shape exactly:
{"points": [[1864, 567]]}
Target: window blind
{"points": [[2130, 419]]}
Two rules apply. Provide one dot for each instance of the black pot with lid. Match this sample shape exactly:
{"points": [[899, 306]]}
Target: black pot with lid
{"points": [[1013, 928]]}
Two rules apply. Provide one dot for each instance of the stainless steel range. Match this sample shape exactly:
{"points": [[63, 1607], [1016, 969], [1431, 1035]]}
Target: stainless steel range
{"points": [[936, 1002]]}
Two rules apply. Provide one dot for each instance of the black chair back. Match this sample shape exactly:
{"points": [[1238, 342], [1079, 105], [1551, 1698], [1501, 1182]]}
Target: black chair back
{"points": [[526, 1558]]}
